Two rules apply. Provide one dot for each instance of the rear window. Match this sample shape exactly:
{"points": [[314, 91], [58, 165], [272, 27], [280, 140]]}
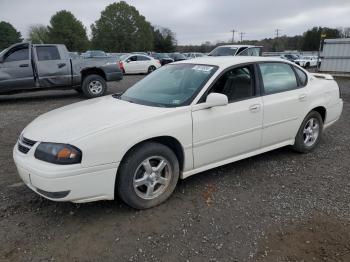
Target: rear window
{"points": [[46, 53], [278, 77], [223, 51]]}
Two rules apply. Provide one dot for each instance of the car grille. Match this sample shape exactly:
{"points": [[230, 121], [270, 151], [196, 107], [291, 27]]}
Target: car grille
{"points": [[25, 144]]}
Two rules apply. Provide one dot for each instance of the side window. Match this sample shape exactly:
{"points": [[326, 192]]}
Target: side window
{"points": [[236, 84], [278, 77], [133, 58], [18, 54], [252, 51], [46, 53], [302, 76], [142, 58]]}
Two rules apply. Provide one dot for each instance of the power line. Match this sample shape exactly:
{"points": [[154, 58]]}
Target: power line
{"points": [[233, 35], [242, 34], [278, 31]]}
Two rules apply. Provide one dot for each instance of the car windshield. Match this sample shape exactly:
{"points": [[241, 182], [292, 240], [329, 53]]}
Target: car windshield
{"points": [[180, 56], [170, 86], [123, 57], [161, 55], [3, 51], [223, 51]]}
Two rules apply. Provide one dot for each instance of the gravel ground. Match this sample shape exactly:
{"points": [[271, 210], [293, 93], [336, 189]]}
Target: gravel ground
{"points": [[278, 206]]}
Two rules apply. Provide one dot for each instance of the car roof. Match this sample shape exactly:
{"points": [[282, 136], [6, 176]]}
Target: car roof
{"points": [[225, 61], [237, 46]]}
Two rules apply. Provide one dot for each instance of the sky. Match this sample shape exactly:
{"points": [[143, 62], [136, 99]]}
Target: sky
{"points": [[195, 21]]}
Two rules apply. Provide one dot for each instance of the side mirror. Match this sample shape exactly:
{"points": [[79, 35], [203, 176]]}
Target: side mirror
{"points": [[216, 99], [128, 61]]}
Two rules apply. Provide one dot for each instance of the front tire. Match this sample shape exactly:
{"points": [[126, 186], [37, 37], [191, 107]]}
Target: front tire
{"points": [[94, 86], [148, 175], [309, 133]]}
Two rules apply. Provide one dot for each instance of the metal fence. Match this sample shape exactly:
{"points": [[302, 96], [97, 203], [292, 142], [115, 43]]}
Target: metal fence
{"points": [[335, 56]]}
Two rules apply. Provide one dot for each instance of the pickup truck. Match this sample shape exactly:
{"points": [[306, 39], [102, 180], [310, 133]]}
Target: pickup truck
{"points": [[30, 67]]}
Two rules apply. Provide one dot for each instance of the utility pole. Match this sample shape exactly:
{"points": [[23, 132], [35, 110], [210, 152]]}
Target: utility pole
{"points": [[278, 31], [242, 34], [233, 35]]}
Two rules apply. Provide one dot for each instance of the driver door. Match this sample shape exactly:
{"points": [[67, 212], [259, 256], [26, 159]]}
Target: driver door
{"points": [[224, 132], [16, 71], [131, 65]]}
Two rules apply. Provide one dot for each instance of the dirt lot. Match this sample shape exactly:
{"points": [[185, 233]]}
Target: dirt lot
{"points": [[279, 206]]}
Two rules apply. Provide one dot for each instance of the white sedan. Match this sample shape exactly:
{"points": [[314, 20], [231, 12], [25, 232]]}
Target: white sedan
{"points": [[185, 118], [138, 64], [307, 61]]}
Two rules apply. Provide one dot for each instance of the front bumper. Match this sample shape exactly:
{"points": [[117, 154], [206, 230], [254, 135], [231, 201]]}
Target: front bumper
{"points": [[72, 183]]}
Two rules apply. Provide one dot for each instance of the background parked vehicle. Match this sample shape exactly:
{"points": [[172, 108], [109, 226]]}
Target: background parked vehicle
{"points": [[28, 67], [177, 56], [163, 58], [194, 55], [74, 55], [94, 54], [234, 50], [290, 57], [307, 61], [138, 64]]}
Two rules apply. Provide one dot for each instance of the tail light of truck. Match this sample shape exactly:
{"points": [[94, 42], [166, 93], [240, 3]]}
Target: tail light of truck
{"points": [[121, 66]]}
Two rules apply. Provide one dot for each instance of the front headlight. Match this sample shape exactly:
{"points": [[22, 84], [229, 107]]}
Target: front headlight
{"points": [[61, 154]]}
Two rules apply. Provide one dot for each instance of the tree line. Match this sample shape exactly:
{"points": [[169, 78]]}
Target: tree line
{"points": [[121, 28], [308, 41]]}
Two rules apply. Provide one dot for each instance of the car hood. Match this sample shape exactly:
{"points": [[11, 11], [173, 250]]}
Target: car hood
{"points": [[72, 122]]}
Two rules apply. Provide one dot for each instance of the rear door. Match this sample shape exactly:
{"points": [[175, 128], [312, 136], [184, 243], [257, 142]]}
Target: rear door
{"points": [[285, 102], [16, 71], [53, 66], [144, 63]]}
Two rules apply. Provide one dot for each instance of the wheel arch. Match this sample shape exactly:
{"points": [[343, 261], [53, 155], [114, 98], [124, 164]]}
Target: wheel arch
{"points": [[322, 111], [92, 71], [169, 141]]}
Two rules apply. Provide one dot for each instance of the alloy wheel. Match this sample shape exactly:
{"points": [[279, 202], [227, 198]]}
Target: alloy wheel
{"points": [[152, 177], [311, 132]]}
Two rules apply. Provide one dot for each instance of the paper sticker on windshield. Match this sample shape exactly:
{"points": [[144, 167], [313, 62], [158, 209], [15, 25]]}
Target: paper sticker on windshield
{"points": [[202, 68]]}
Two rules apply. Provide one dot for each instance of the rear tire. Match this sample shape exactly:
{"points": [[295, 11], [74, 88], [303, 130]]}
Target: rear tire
{"points": [[309, 133], [151, 69], [148, 175], [307, 65], [94, 86]]}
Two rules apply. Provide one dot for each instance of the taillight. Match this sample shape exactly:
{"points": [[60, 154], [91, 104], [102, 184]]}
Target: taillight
{"points": [[158, 61], [121, 66]]}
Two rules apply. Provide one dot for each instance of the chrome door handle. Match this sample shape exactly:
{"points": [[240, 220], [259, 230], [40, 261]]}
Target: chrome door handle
{"points": [[254, 108], [302, 97]]}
